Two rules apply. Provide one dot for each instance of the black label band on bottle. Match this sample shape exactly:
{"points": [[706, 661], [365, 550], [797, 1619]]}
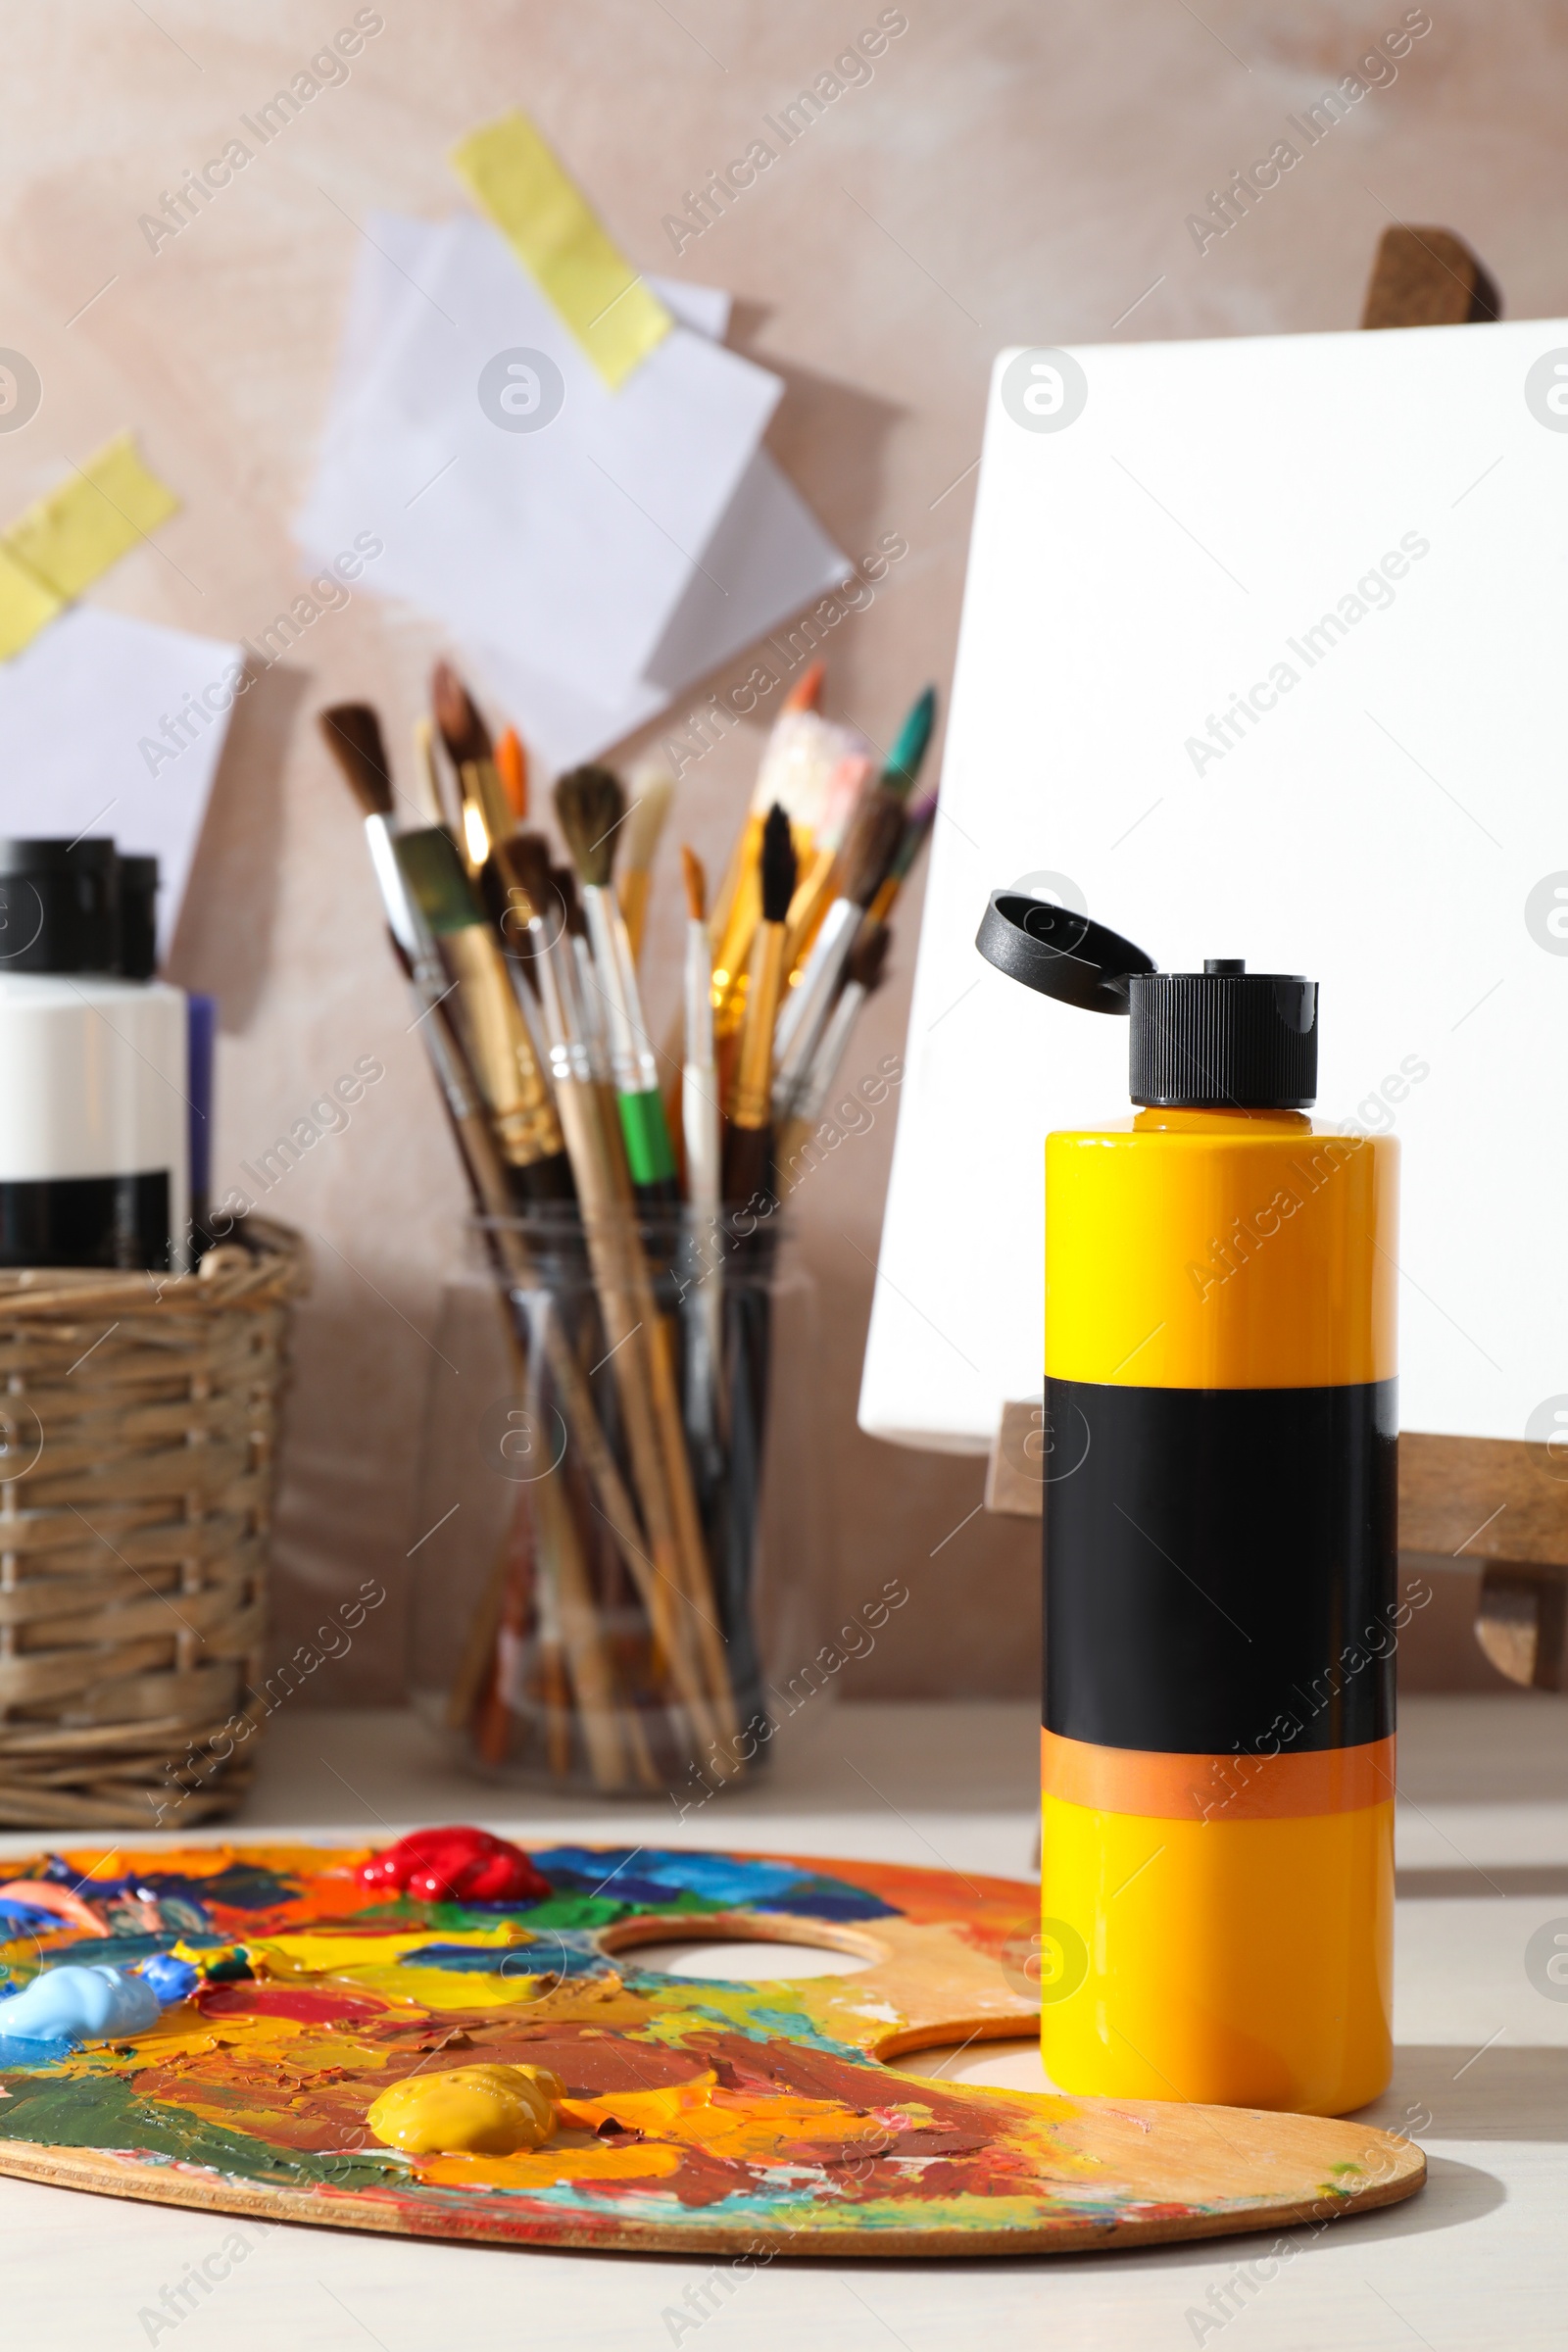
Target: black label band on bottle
{"points": [[1220, 1568], [122, 1222]]}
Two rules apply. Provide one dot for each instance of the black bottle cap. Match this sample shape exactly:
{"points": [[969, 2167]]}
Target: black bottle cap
{"points": [[1222, 1039], [138, 917], [58, 907]]}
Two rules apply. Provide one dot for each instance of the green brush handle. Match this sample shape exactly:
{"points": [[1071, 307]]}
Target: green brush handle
{"points": [[650, 1155]]}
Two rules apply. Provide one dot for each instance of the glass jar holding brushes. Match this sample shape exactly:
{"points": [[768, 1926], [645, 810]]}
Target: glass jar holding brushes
{"points": [[637, 1566]]}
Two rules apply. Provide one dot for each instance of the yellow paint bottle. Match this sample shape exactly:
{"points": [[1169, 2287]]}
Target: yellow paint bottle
{"points": [[1219, 1550]]}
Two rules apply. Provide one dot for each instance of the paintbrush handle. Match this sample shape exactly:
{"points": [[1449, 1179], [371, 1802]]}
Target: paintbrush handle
{"points": [[805, 1016], [500, 1047], [513, 1264], [818, 1080], [626, 1307], [632, 1062], [754, 1078], [701, 1130], [634, 891], [588, 1660]]}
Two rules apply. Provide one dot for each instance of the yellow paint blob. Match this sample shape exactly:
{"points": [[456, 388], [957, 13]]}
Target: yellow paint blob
{"points": [[469, 2110]]}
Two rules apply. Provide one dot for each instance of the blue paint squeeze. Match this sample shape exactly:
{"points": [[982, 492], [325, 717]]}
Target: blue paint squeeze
{"points": [[80, 2004]]}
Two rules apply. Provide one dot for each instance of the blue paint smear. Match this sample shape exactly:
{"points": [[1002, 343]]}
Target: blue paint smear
{"points": [[19, 1918], [652, 1875], [32, 2056], [117, 1951], [461, 1960], [755, 2021]]}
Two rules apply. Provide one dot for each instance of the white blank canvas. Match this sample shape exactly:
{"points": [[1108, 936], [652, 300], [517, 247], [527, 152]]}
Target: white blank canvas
{"points": [[1379, 824]]}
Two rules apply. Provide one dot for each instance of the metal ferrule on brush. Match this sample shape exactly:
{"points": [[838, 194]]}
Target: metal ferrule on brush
{"points": [[631, 1058]]}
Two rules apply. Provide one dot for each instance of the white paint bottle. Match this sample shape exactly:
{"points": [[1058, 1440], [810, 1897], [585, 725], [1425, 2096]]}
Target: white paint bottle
{"points": [[94, 1110]]}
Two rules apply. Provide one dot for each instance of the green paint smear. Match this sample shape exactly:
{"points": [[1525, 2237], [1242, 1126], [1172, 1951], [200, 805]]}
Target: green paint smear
{"points": [[592, 1911], [97, 2111]]}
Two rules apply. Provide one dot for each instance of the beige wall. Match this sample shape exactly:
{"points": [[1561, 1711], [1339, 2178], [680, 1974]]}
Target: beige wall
{"points": [[1013, 172]]}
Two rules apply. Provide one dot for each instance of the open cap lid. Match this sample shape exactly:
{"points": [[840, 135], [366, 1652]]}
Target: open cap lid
{"points": [[1059, 952], [1222, 1039]]}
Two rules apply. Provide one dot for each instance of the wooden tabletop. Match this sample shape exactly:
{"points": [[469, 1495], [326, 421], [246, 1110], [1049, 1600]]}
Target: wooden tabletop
{"points": [[1481, 2079]]}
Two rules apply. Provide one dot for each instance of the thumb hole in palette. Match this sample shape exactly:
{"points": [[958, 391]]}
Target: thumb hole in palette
{"points": [[746, 1961]]}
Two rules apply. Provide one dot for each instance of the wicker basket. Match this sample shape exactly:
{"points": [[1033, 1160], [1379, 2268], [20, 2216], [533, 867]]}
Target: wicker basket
{"points": [[136, 1445]]}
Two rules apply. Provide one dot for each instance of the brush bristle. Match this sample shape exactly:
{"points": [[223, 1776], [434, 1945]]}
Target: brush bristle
{"points": [[353, 735], [653, 788], [524, 859], [910, 744], [869, 955], [590, 805], [807, 691], [780, 867], [462, 730], [695, 876], [512, 764], [916, 826], [871, 844], [565, 884]]}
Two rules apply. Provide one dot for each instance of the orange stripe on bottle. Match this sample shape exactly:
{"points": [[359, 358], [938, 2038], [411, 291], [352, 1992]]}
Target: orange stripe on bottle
{"points": [[1224, 1787]]}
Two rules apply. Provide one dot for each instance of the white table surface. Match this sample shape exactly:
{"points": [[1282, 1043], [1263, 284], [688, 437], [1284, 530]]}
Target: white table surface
{"points": [[1480, 2258]]}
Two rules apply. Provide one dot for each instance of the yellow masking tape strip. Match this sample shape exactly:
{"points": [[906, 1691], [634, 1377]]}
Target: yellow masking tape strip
{"points": [[25, 605], [543, 216], [70, 538]]}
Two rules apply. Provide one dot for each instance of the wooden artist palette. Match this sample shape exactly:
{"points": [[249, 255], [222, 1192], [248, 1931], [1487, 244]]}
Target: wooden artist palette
{"points": [[700, 2116]]}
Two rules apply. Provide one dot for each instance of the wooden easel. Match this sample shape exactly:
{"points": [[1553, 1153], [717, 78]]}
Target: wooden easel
{"points": [[1494, 1499]]}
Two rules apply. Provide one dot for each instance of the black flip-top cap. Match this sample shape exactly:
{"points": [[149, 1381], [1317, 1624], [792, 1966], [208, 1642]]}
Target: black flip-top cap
{"points": [[1220, 1039], [1224, 1038], [58, 907], [1059, 952]]}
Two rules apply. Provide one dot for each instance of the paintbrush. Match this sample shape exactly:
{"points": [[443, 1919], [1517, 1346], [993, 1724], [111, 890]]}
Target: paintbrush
{"points": [[486, 810], [868, 853], [427, 801], [500, 1047], [912, 742], [701, 1134], [817, 885], [653, 788], [636, 1348], [803, 694], [748, 1145], [580, 988], [590, 805], [354, 735], [862, 976], [804, 755], [911, 841]]}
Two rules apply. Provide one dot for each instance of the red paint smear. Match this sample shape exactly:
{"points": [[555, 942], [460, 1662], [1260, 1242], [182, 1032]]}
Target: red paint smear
{"points": [[592, 2062], [461, 1865], [276, 2000]]}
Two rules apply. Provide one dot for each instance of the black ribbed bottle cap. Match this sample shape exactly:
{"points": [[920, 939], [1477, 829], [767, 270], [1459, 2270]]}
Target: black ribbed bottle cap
{"points": [[138, 917], [58, 907], [1223, 1039]]}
